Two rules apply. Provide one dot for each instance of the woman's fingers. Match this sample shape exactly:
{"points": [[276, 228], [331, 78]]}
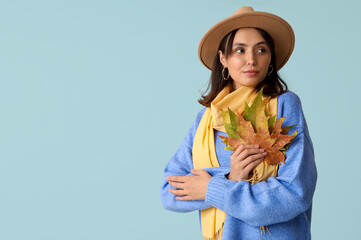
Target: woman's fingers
{"points": [[190, 187], [248, 152], [181, 195], [252, 158], [237, 159], [252, 165], [177, 192], [177, 178], [242, 147], [176, 184]]}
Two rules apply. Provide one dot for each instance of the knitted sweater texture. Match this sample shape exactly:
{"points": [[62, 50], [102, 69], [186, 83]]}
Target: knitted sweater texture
{"points": [[284, 203]]}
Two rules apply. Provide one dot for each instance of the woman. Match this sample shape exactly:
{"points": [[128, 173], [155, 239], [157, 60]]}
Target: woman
{"points": [[244, 52]]}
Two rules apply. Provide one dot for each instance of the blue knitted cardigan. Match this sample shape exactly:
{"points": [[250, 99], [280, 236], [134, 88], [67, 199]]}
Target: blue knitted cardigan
{"points": [[284, 203]]}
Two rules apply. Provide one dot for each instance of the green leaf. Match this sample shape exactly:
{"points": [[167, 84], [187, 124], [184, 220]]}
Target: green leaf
{"points": [[230, 130], [246, 112], [229, 148], [234, 119], [271, 122], [230, 123], [256, 113], [286, 129], [288, 144]]}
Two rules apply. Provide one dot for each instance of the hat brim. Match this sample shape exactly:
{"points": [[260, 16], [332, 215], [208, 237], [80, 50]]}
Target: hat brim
{"points": [[280, 31]]}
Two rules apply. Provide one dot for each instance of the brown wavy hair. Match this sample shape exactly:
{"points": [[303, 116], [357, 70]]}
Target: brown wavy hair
{"points": [[272, 85]]}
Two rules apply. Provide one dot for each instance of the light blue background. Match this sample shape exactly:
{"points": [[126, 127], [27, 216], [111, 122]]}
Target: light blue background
{"points": [[96, 97]]}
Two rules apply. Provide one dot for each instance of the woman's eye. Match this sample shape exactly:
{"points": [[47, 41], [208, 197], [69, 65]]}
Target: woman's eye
{"points": [[240, 50], [261, 50]]}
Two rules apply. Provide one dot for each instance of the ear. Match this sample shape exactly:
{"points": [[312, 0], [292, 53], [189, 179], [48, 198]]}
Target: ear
{"points": [[222, 58]]}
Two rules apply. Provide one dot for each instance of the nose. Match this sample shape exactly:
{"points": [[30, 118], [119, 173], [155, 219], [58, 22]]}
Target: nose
{"points": [[251, 59]]}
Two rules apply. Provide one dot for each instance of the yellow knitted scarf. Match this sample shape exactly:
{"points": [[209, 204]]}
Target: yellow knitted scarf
{"points": [[204, 153]]}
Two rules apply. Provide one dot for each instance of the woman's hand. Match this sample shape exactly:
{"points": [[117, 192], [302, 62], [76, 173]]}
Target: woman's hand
{"points": [[243, 160], [191, 187]]}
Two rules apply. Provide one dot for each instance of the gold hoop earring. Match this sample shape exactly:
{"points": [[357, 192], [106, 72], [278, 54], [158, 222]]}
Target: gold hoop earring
{"points": [[225, 78], [270, 71]]}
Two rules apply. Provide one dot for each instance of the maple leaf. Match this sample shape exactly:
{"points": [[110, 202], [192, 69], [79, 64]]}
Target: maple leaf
{"points": [[255, 126]]}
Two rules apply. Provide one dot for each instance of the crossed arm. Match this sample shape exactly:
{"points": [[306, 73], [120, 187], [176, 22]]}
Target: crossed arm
{"points": [[243, 160]]}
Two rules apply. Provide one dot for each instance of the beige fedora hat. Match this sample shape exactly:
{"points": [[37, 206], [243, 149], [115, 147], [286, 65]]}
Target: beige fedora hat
{"points": [[280, 31]]}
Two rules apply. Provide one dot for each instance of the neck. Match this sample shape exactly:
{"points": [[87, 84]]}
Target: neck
{"points": [[233, 87]]}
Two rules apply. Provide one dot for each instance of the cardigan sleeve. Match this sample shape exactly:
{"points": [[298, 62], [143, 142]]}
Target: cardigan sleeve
{"points": [[281, 198], [180, 165]]}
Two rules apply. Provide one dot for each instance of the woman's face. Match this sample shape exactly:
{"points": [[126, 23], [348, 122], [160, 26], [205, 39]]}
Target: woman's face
{"points": [[249, 60]]}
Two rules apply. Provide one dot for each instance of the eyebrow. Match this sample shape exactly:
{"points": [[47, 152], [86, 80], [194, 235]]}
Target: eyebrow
{"points": [[245, 45]]}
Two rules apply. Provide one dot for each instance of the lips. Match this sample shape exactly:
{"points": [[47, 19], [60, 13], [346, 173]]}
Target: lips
{"points": [[251, 73]]}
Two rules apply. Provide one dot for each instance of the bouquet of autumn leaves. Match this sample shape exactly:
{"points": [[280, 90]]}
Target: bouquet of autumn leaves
{"points": [[255, 126]]}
